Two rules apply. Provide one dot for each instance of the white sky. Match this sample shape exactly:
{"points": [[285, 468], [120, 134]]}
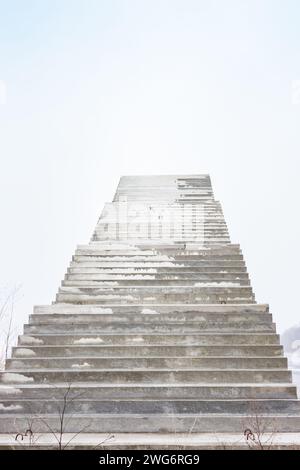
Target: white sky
{"points": [[92, 90]]}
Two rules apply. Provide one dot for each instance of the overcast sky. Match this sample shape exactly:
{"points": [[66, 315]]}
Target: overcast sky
{"points": [[92, 90]]}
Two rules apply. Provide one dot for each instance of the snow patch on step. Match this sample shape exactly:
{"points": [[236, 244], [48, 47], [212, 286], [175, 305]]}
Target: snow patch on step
{"points": [[110, 296], [10, 377], [216, 284], [137, 277], [88, 341], [6, 390], [30, 340], [81, 366], [126, 258], [24, 352], [107, 311], [148, 311], [10, 407]]}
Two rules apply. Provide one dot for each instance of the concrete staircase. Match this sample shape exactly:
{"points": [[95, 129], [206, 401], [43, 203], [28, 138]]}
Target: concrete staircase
{"points": [[155, 328]]}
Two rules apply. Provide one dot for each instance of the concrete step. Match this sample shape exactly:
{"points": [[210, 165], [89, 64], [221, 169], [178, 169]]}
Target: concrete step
{"points": [[196, 230], [148, 362], [149, 406], [163, 246], [199, 236], [190, 219], [184, 391], [157, 277], [153, 441], [211, 218], [153, 294], [133, 283], [151, 249], [136, 351], [146, 248], [241, 309], [191, 234], [204, 237], [149, 316], [153, 376], [179, 221], [98, 248], [201, 339], [186, 276], [204, 288], [79, 268], [156, 423], [153, 259], [150, 300], [207, 242], [180, 225], [206, 255], [146, 328], [93, 262], [146, 231]]}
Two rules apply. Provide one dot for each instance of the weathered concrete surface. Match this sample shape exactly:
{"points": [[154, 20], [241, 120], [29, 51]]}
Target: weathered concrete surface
{"points": [[179, 441], [155, 330]]}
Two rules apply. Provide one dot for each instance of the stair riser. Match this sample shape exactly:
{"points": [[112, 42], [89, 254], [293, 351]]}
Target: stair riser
{"points": [[201, 237], [160, 308], [150, 328], [157, 424], [144, 363], [151, 299], [158, 257], [91, 250], [151, 283], [179, 340], [85, 261], [152, 316], [157, 279], [152, 392], [199, 234], [159, 290], [181, 271], [149, 407], [147, 351], [148, 376]]}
